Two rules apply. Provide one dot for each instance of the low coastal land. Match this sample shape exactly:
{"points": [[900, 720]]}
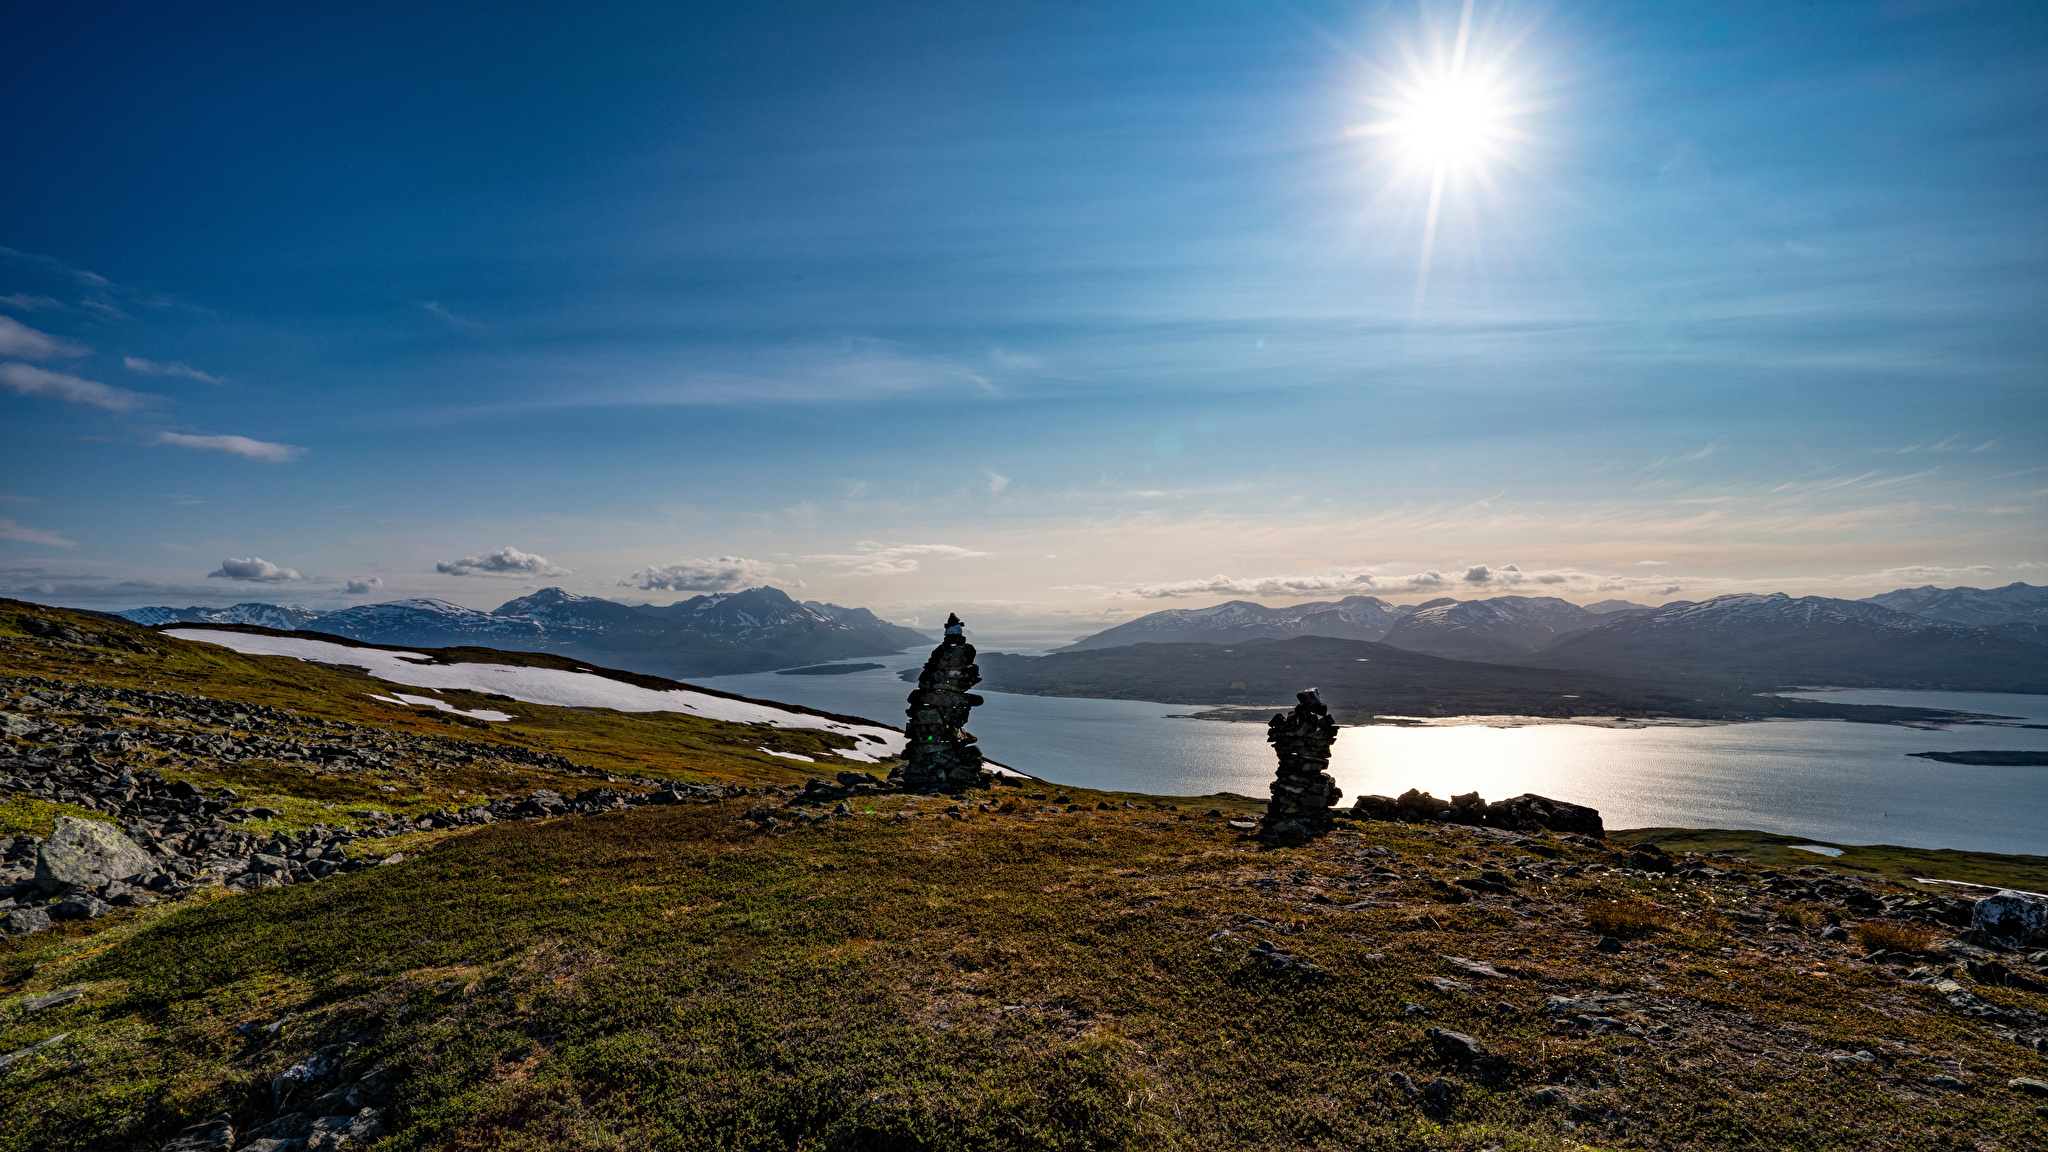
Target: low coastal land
{"points": [[708, 951], [1370, 683]]}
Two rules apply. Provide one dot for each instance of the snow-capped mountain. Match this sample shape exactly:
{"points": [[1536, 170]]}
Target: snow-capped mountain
{"points": [[1982, 607], [1480, 629], [263, 615], [1352, 618], [556, 608], [432, 623], [768, 615], [1774, 639]]}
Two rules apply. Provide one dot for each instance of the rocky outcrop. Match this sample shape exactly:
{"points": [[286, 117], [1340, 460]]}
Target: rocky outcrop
{"points": [[1525, 813], [1303, 790], [941, 756]]}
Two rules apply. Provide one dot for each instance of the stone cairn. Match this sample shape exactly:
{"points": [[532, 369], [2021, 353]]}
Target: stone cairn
{"points": [[1303, 792], [941, 756]]}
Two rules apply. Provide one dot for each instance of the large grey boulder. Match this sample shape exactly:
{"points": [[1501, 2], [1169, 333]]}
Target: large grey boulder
{"points": [[88, 854], [2018, 919]]}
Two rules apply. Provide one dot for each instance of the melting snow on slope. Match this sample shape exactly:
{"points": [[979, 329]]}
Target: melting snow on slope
{"points": [[552, 686], [443, 705]]}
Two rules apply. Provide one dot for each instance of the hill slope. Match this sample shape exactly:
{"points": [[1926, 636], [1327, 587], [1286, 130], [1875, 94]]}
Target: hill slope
{"points": [[1352, 618]]}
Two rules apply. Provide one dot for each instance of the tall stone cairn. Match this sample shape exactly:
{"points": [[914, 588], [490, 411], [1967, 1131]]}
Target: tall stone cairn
{"points": [[942, 756], [1303, 791]]}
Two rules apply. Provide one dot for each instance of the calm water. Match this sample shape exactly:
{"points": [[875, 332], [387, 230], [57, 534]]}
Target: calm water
{"points": [[1850, 783]]}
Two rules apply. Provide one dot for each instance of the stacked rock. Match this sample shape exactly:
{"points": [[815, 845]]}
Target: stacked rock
{"points": [[941, 756], [1303, 791]]}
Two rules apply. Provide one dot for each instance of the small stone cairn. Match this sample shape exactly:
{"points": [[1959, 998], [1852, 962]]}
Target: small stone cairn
{"points": [[941, 756], [1303, 791]]}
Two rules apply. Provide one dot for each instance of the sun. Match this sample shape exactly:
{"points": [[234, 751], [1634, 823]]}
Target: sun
{"points": [[1450, 122]]}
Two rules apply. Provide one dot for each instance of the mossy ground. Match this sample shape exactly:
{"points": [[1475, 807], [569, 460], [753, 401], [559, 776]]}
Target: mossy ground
{"points": [[671, 978]]}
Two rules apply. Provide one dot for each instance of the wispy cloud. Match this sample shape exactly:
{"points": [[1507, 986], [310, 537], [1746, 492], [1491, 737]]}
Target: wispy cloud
{"points": [[996, 480], [23, 302], [18, 339], [9, 530], [507, 561], [32, 381], [874, 558], [1504, 579], [174, 368], [715, 574], [435, 308], [255, 570], [235, 446]]}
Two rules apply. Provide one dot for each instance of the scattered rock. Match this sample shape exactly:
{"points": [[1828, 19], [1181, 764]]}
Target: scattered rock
{"points": [[10, 1058], [212, 1135], [56, 999], [1272, 957], [1545, 1097], [1947, 1082], [2029, 1085]]}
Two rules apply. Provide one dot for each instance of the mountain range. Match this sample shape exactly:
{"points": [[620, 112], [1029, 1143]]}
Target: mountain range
{"points": [[1958, 638], [719, 634]]}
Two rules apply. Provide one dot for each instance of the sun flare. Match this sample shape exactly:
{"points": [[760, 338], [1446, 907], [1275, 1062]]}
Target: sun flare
{"points": [[1450, 122]]}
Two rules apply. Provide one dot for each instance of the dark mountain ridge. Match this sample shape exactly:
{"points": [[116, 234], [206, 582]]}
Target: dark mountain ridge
{"points": [[1362, 680], [754, 630]]}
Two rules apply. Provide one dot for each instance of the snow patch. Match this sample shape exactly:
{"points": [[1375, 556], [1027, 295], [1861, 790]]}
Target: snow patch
{"points": [[553, 686], [443, 705], [790, 756]]}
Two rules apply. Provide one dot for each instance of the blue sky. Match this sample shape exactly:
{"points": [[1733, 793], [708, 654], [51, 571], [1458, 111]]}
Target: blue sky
{"points": [[1051, 312]]}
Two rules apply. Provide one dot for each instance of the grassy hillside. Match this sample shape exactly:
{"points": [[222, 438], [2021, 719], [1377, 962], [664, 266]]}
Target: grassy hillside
{"points": [[1031, 969], [1361, 681]]}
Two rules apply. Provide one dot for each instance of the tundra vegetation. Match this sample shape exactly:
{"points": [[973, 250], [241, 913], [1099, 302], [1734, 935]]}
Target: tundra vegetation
{"points": [[1018, 967]]}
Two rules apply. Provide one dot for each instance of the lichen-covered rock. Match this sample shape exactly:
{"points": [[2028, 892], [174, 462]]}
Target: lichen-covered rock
{"points": [[1303, 790], [941, 756], [87, 854], [2012, 918]]}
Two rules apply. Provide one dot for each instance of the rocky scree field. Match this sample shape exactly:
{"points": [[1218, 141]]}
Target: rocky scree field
{"points": [[1025, 967]]}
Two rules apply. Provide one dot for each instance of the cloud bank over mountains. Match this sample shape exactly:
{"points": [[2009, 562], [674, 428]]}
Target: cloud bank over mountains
{"points": [[717, 574]]}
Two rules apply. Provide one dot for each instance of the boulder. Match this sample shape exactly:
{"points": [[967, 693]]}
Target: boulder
{"points": [[89, 855], [1418, 806], [23, 921], [2015, 919], [1528, 812]]}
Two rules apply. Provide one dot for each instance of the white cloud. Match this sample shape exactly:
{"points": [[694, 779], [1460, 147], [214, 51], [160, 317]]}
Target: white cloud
{"points": [[996, 480], [174, 368], [716, 574], [358, 587], [874, 558], [506, 561], [23, 302], [9, 530], [31, 381], [18, 339], [254, 569], [235, 446], [435, 307]]}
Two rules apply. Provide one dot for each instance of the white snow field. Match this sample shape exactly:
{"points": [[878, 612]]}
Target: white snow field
{"points": [[551, 686]]}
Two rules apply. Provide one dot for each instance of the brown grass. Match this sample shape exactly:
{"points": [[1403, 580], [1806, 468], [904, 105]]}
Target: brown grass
{"points": [[1799, 916], [1627, 917], [1893, 937]]}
